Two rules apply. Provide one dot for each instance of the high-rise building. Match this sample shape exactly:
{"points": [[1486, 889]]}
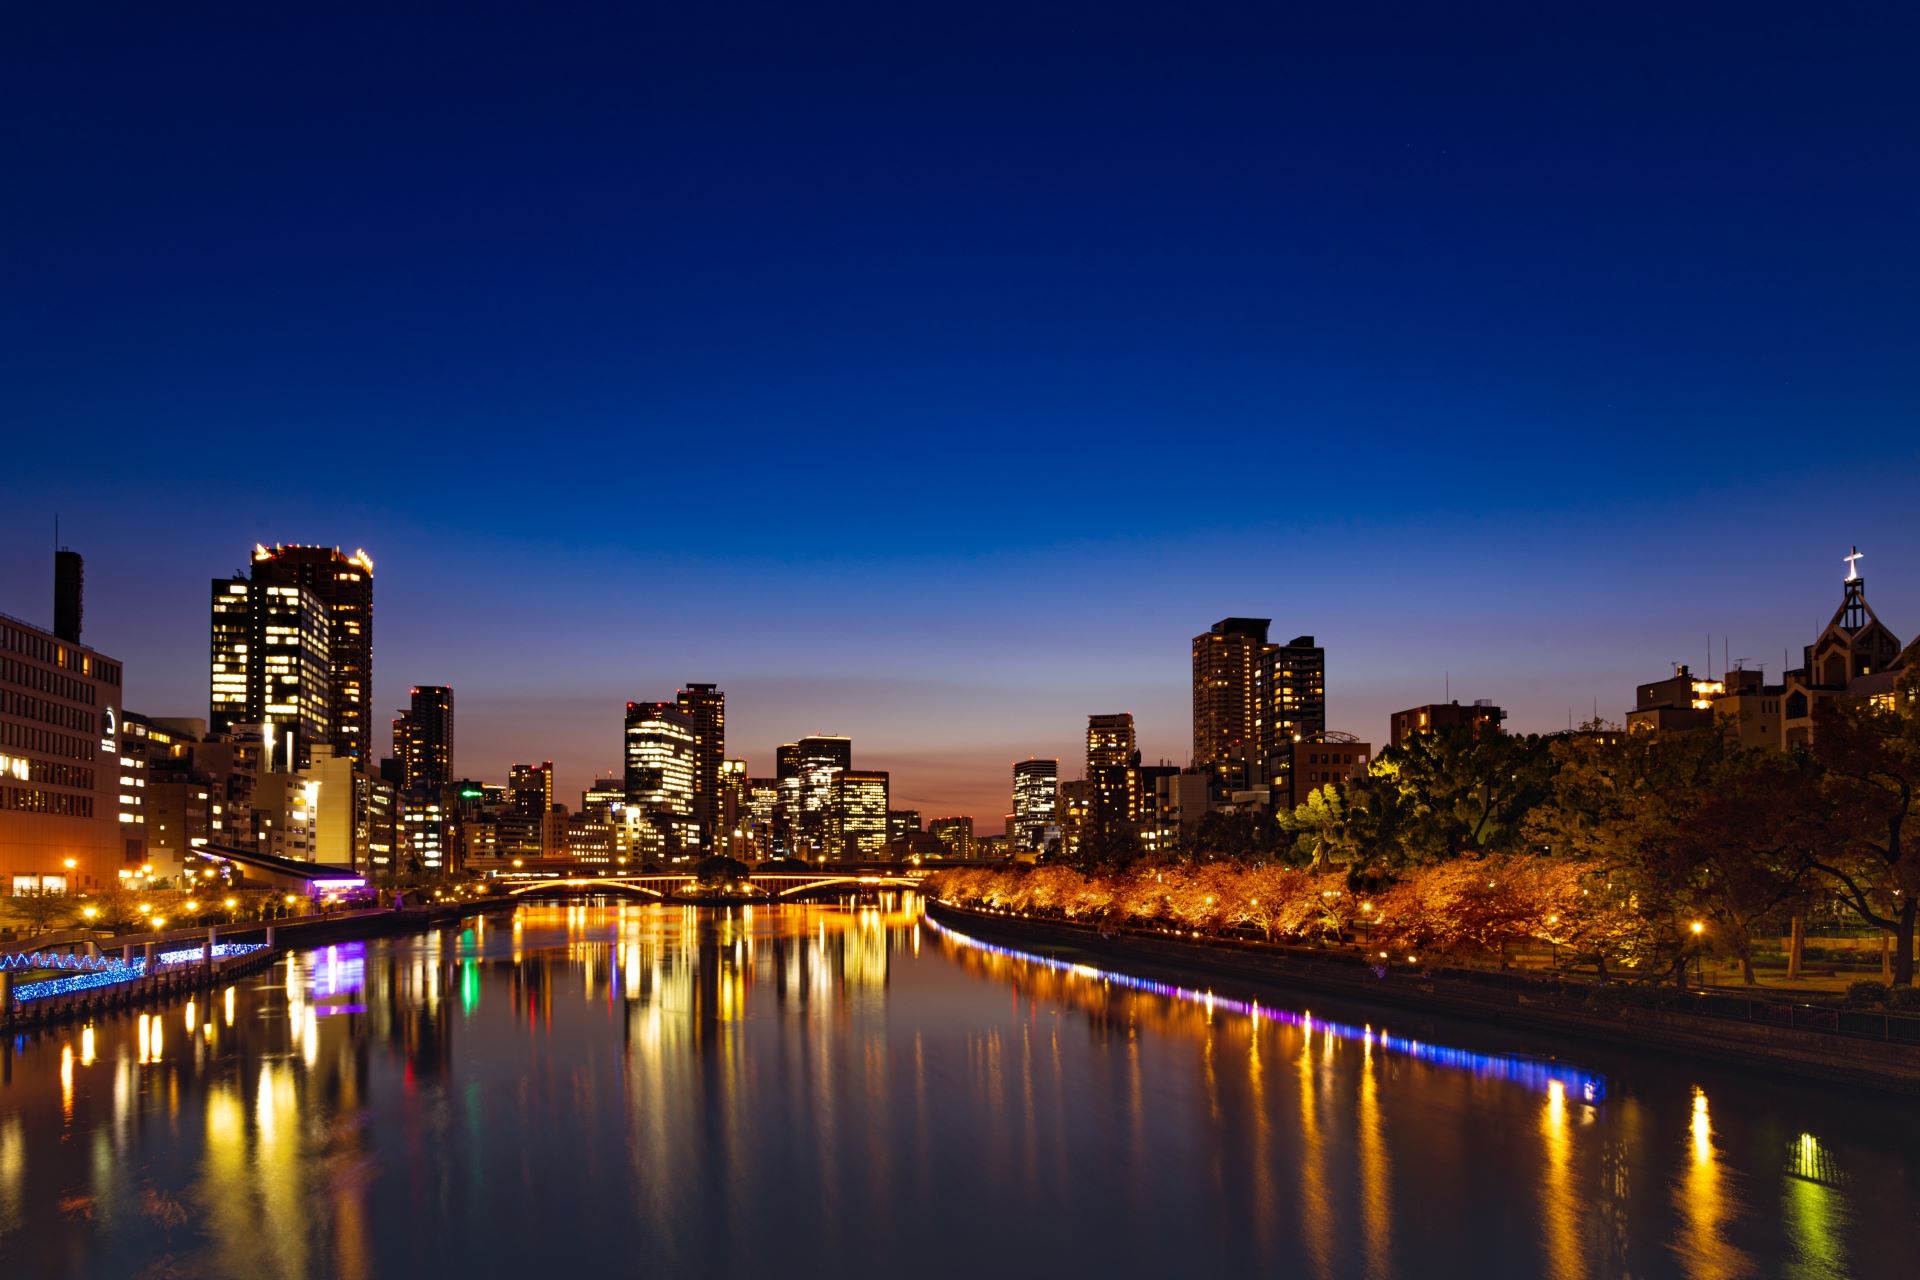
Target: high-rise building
{"points": [[955, 833], [63, 823], [705, 707], [817, 760], [901, 823], [1227, 662], [660, 768], [786, 825], [423, 737], [1036, 793], [522, 825], [343, 584], [1293, 705], [1110, 739], [271, 666], [857, 813]]}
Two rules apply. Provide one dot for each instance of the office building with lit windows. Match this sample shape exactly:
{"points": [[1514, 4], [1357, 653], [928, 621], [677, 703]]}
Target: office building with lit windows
{"points": [[955, 833], [816, 761], [343, 586], [1110, 739], [857, 814], [1036, 798], [63, 823], [270, 667], [423, 737], [660, 766], [1227, 661], [705, 707], [1293, 706]]}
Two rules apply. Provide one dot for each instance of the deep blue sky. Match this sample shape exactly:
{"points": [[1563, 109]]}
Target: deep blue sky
{"points": [[933, 375]]}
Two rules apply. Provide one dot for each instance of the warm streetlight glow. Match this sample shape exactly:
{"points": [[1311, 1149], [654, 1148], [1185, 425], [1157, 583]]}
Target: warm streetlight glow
{"points": [[1697, 928], [192, 905], [71, 864], [159, 922], [89, 912], [231, 903], [291, 899], [146, 908]]}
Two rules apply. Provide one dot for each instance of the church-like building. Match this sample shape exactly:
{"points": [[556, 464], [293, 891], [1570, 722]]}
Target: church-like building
{"points": [[1855, 657]]}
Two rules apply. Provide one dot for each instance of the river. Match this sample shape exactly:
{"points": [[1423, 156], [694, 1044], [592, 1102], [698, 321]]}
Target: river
{"points": [[847, 1089]]}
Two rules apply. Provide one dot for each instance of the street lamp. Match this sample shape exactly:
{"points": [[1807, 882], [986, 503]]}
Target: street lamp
{"points": [[1697, 928]]}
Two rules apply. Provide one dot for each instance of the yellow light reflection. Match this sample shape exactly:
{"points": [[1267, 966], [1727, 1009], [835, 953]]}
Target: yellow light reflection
{"points": [[1705, 1204], [1561, 1211]]}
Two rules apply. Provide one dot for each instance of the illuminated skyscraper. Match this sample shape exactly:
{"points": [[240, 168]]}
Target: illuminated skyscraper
{"points": [[1036, 794], [343, 584], [706, 709], [1110, 739], [857, 814], [423, 737], [816, 761], [1227, 662], [660, 767], [1293, 705], [270, 666]]}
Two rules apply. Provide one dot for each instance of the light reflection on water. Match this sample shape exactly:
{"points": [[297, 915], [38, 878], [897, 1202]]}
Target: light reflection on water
{"points": [[848, 1089]]}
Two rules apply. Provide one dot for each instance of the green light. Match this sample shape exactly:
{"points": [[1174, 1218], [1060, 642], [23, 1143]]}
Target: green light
{"points": [[471, 795]]}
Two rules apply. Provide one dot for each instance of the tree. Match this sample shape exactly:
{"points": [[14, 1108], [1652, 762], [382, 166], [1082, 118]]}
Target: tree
{"points": [[1737, 844], [39, 908], [1238, 835], [1871, 758], [1464, 791]]}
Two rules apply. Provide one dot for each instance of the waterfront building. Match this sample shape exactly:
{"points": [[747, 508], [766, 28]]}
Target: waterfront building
{"points": [[902, 823], [63, 825], [424, 830], [857, 813], [762, 817], [423, 737], [956, 834], [1480, 716], [660, 768], [1036, 800]]}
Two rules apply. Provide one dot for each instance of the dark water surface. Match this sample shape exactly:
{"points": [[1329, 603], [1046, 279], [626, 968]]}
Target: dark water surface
{"points": [[846, 1090]]}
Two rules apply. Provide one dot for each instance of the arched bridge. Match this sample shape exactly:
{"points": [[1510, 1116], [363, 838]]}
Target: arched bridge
{"points": [[772, 886]]}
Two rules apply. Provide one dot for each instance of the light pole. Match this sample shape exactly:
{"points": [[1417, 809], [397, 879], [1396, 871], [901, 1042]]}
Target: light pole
{"points": [[1697, 929]]}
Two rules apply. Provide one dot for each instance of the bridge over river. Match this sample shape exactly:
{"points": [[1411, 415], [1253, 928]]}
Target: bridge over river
{"points": [[772, 886]]}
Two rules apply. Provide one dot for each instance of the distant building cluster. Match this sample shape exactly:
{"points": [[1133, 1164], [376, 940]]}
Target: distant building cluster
{"points": [[281, 775]]}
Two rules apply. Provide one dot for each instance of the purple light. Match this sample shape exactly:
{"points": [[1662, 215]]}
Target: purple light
{"points": [[1531, 1073]]}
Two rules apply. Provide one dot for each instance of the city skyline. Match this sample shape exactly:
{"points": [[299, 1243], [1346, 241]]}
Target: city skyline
{"points": [[959, 781], [934, 381]]}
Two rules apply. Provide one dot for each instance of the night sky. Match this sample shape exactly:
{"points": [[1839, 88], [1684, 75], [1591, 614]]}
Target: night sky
{"points": [[933, 375]]}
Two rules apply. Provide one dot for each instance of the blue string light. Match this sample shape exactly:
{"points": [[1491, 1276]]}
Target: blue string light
{"points": [[113, 972], [1531, 1073]]}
